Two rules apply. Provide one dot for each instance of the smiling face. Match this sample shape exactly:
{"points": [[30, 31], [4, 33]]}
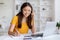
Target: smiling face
{"points": [[26, 11]]}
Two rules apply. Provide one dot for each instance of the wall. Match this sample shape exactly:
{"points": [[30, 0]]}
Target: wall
{"points": [[6, 12], [57, 10]]}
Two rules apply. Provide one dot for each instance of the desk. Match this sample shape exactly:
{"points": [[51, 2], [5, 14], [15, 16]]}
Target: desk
{"points": [[18, 38], [51, 37]]}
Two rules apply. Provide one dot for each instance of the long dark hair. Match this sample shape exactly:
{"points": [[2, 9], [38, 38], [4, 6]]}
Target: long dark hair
{"points": [[20, 16]]}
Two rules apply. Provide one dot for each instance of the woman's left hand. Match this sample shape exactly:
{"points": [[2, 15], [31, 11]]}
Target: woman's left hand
{"points": [[32, 14]]}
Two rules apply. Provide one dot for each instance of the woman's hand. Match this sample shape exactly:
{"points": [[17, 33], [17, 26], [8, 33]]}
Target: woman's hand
{"points": [[17, 32], [14, 33], [32, 14]]}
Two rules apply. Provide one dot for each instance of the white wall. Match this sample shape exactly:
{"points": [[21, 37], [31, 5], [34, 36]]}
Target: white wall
{"points": [[6, 11], [57, 10]]}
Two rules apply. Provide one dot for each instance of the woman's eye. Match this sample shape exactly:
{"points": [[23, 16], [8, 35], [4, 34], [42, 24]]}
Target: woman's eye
{"points": [[24, 10], [28, 10]]}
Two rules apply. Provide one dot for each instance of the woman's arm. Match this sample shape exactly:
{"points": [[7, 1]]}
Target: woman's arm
{"points": [[12, 26], [33, 29], [11, 29], [32, 23]]}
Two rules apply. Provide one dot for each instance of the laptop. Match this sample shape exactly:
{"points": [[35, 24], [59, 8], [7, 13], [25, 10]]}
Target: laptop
{"points": [[50, 29]]}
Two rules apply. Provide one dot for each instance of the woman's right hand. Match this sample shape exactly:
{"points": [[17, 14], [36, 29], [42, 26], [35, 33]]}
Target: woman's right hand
{"points": [[17, 33], [14, 34]]}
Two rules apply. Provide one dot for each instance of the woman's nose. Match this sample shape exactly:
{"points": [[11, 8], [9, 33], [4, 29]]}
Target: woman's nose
{"points": [[26, 12]]}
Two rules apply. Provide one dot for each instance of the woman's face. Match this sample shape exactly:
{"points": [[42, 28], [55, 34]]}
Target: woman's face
{"points": [[26, 11]]}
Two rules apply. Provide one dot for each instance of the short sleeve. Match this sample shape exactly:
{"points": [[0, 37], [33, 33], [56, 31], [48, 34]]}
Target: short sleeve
{"points": [[14, 20]]}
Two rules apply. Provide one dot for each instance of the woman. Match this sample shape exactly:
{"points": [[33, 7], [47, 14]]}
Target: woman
{"points": [[23, 21]]}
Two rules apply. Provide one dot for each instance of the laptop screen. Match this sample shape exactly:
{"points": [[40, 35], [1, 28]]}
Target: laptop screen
{"points": [[50, 28]]}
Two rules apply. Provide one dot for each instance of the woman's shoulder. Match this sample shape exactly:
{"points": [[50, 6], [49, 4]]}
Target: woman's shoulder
{"points": [[14, 19], [15, 16]]}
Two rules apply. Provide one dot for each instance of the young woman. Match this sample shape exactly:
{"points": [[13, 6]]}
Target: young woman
{"points": [[23, 21]]}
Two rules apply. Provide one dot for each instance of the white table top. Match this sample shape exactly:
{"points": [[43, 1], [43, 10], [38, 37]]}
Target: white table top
{"points": [[51, 37]]}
